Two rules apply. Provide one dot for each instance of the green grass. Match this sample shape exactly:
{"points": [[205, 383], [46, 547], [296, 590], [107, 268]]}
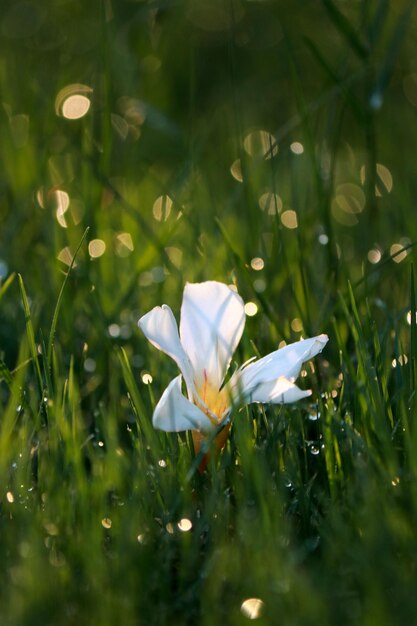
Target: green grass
{"points": [[311, 508]]}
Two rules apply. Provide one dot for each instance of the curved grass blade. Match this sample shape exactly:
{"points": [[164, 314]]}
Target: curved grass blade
{"points": [[6, 285], [59, 302], [30, 334]]}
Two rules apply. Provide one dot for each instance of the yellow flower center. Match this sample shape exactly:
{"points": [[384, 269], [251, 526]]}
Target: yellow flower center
{"points": [[215, 400]]}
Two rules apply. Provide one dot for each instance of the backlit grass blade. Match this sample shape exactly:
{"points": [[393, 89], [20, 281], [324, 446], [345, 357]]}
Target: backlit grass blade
{"points": [[10, 415], [143, 420], [31, 336], [6, 285], [59, 302]]}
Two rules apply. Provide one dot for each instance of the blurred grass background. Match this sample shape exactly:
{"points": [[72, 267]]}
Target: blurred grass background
{"points": [[265, 143]]}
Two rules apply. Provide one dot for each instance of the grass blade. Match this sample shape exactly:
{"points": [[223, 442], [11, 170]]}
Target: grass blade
{"points": [[59, 303], [31, 335], [346, 29], [5, 287]]}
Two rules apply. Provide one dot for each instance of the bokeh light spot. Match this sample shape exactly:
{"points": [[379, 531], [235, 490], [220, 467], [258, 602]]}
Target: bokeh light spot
{"points": [[162, 208], [260, 143], [297, 325], [374, 256], [185, 525], [252, 608], [385, 180], [251, 309], [96, 248], [397, 249], [73, 101], [66, 256], [289, 219], [271, 203], [124, 244], [257, 263], [236, 170], [296, 147]]}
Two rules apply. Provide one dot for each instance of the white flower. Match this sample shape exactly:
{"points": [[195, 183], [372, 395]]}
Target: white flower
{"points": [[212, 322]]}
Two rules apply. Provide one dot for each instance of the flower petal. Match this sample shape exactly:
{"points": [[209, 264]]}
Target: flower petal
{"points": [[174, 413], [212, 322], [160, 328], [285, 362], [281, 391]]}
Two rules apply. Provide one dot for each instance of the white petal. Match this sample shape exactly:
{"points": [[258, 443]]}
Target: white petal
{"points": [[160, 327], [281, 391], [174, 413], [212, 321], [285, 362]]}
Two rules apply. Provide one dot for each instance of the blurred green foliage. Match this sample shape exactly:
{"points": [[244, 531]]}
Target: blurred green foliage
{"points": [[265, 143]]}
